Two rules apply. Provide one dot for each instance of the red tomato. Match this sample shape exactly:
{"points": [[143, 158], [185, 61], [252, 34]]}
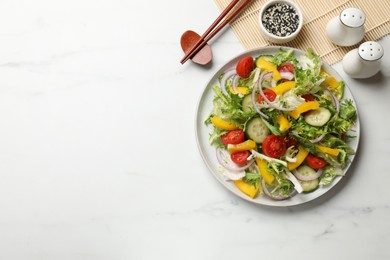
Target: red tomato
{"points": [[315, 162], [245, 67], [269, 94], [287, 67], [233, 137], [308, 97], [274, 146], [240, 158]]}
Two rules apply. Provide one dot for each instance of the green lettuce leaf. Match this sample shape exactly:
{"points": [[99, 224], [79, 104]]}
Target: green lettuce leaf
{"points": [[308, 75], [282, 56]]}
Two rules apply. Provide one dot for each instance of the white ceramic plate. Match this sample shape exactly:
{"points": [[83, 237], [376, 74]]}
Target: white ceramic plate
{"points": [[208, 152]]}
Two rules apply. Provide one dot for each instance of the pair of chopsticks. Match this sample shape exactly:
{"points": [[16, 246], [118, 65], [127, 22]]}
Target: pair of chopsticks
{"points": [[210, 33]]}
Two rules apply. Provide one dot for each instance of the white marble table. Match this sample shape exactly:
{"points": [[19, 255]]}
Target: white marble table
{"points": [[98, 158]]}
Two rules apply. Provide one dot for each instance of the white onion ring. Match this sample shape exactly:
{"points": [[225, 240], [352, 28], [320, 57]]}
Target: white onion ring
{"points": [[307, 178], [335, 100], [286, 75], [227, 75], [278, 197], [222, 156]]}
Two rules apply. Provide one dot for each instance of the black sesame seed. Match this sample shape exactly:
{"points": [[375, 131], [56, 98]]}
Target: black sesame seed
{"points": [[280, 19]]}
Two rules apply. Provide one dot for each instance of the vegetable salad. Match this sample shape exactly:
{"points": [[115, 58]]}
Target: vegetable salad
{"points": [[279, 125]]}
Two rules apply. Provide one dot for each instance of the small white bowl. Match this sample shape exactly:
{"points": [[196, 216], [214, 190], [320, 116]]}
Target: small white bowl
{"points": [[273, 37]]}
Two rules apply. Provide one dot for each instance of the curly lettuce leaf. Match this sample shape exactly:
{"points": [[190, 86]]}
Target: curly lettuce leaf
{"points": [[347, 110], [253, 177], [308, 74], [305, 130], [281, 185], [329, 174], [344, 120], [282, 56], [229, 107], [313, 148]]}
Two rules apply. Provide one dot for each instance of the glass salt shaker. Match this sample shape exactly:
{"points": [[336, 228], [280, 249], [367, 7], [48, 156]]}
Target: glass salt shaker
{"points": [[364, 61], [347, 29]]}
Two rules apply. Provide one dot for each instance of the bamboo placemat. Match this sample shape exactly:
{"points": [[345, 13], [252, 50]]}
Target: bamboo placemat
{"points": [[316, 15]]}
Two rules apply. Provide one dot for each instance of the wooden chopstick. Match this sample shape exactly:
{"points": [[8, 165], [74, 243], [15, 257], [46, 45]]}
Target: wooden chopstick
{"points": [[190, 53], [207, 35]]}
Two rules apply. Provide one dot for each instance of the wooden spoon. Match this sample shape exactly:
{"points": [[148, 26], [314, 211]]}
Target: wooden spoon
{"points": [[188, 40]]}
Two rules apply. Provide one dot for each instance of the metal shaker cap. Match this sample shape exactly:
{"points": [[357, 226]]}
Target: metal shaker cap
{"points": [[371, 51], [353, 17]]}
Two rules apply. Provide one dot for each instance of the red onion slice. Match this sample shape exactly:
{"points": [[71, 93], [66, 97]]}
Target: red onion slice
{"points": [[235, 83], [224, 160], [272, 104], [313, 141], [228, 74], [275, 197], [307, 177], [254, 99], [335, 100], [316, 140]]}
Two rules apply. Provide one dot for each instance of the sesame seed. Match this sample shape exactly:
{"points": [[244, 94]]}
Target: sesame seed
{"points": [[280, 19]]}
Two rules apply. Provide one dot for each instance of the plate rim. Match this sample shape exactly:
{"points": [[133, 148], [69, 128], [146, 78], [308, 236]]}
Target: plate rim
{"points": [[270, 202]]}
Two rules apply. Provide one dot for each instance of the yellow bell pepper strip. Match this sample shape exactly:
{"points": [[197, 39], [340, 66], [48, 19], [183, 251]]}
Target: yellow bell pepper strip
{"points": [[283, 123], [268, 66], [247, 188], [331, 82], [301, 156], [222, 124], [240, 90], [244, 146], [304, 107], [268, 177], [327, 150], [283, 87]]}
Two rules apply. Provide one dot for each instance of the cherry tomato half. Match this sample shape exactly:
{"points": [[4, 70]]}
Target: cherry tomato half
{"points": [[274, 146], [240, 158], [245, 67], [233, 137], [286, 67], [269, 94], [315, 162]]}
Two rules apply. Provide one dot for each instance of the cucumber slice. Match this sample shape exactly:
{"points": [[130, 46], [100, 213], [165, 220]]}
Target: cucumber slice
{"points": [[257, 130], [318, 117], [305, 172], [247, 105], [309, 186]]}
